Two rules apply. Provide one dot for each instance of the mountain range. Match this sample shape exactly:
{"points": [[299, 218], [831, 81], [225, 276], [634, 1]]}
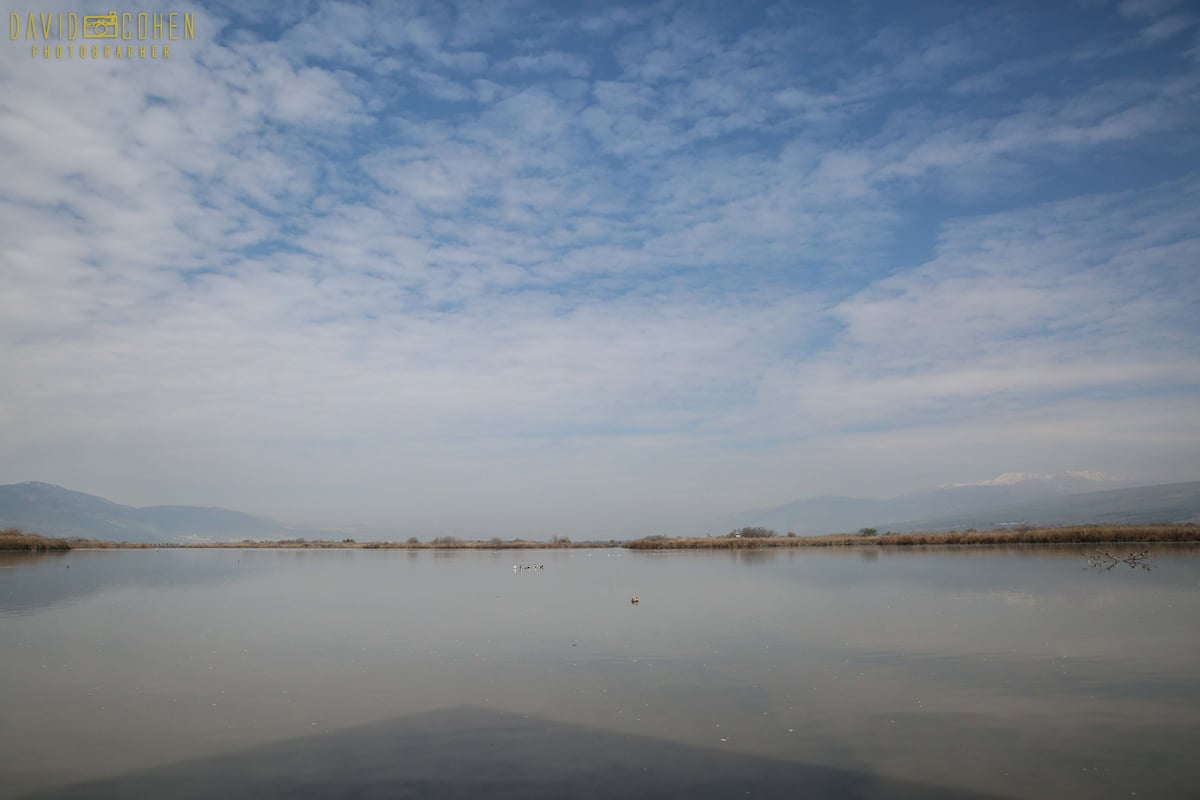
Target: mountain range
{"points": [[1065, 498], [54, 511], [1068, 498]]}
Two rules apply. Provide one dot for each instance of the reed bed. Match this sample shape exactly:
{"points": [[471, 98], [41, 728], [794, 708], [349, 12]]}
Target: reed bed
{"points": [[1077, 534], [719, 543], [16, 539], [449, 543]]}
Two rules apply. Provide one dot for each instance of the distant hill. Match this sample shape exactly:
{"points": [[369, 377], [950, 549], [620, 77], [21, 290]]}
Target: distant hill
{"points": [[1170, 502], [1012, 497], [54, 511]]}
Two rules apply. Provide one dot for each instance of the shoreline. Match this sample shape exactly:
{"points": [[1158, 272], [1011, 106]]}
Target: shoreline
{"points": [[14, 540]]}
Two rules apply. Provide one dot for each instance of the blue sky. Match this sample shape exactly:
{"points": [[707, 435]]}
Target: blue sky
{"points": [[601, 269]]}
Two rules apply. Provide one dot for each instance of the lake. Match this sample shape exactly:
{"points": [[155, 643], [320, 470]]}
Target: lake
{"points": [[801, 673]]}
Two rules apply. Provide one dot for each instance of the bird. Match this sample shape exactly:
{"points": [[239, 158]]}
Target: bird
{"points": [[634, 601]]}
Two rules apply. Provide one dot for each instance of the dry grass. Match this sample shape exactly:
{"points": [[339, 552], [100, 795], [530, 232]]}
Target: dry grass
{"points": [[16, 539], [101, 544], [1077, 534], [1090, 534], [440, 543], [717, 543]]}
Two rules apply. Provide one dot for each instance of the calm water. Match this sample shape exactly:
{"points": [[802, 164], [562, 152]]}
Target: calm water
{"points": [[1016, 674]]}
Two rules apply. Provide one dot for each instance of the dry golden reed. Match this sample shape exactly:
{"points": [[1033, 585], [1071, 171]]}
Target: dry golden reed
{"points": [[15, 539], [1076, 534]]}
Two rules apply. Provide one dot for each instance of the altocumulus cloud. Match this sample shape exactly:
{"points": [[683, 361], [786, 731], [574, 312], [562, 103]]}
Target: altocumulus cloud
{"points": [[511, 268]]}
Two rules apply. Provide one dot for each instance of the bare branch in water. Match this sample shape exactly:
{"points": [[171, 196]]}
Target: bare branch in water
{"points": [[1102, 559]]}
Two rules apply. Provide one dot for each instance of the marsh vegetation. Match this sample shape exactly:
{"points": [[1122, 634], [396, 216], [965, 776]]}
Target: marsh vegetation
{"points": [[868, 537], [739, 539], [15, 539], [139, 670]]}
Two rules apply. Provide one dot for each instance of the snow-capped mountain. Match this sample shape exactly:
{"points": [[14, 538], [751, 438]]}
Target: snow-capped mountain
{"points": [[1066, 482], [959, 500]]}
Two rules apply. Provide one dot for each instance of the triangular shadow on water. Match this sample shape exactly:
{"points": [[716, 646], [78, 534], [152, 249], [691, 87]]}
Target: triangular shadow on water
{"points": [[470, 752]]}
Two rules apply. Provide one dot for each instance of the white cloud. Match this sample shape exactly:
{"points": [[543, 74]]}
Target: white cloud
{"points": [[396, 256]]}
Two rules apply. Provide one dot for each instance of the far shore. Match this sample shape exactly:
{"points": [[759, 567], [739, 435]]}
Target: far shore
{"points": [[742, 539]]}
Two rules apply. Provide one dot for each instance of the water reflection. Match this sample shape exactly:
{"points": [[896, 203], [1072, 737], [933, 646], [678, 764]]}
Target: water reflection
{"points": [[32, 581], [9, 558], [1104, 561], [476, 752], [1005, 673]]}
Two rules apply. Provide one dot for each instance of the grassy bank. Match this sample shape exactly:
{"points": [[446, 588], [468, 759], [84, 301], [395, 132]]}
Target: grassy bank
{"points": [[440, 543], [1079, 534], [15, 539]]}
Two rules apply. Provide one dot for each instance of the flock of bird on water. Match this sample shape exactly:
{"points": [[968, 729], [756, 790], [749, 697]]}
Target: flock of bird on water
{"points": [[522, 567]]}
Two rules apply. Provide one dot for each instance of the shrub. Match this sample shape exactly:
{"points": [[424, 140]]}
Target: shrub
{"points": [[15, 539], [752, 532]]}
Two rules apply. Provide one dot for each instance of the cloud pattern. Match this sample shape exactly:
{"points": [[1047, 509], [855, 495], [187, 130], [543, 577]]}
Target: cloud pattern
{"points": [[510, 268]]}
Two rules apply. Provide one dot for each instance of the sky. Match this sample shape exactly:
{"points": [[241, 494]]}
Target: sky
{"points": [[522, 269]]}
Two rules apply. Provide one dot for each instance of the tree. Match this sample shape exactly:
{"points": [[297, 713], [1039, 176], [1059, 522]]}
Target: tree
{"points": [[752, 532]]}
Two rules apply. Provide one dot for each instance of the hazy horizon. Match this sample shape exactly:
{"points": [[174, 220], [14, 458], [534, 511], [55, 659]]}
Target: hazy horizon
{"points": [[931, 504], [517, 269]]}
